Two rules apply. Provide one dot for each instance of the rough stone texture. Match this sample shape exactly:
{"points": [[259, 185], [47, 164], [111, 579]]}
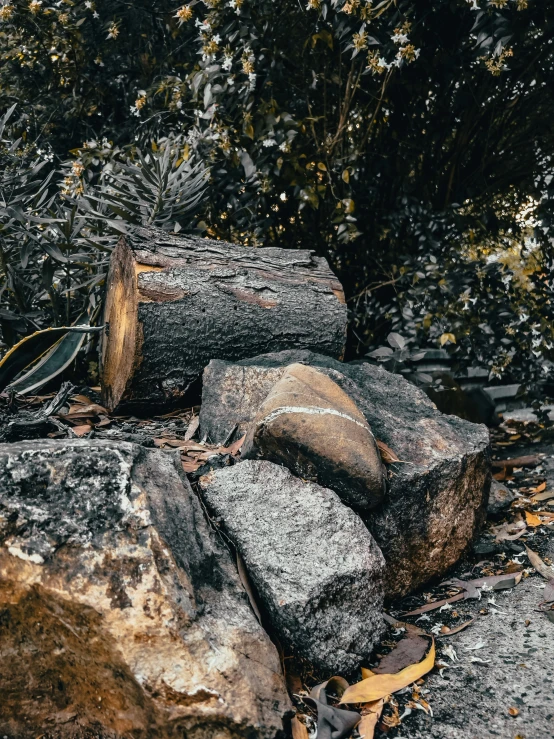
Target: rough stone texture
{"points": [[310, 425], [173, 303], [120, 613], [437, 497], [472, 700], [316, 568], [500, 498]]}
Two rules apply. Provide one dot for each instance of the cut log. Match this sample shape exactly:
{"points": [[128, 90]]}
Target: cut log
{"points": [[121, 614], [175, 303]]}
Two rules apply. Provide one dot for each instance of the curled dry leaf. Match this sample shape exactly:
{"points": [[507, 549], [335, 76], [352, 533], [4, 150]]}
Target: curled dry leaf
{"points": [[409, 650], [532, 520], [541, 567], [371, 713], [541, 497], [299, 730], [192, 428], [387, 455], [456, 629], [332, 722], [375, 687]]}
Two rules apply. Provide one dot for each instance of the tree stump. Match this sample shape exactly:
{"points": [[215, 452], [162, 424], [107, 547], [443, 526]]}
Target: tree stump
{"points": [[175, 303]]}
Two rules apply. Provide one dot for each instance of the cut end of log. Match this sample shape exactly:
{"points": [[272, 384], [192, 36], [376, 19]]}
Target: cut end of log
{"points": [[120, 318]]}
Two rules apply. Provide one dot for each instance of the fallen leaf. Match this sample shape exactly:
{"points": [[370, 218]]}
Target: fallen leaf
{"points": [[541, 567], [299, 730], [513, 711], [378, 686], [387, 455], [548, 592], [83, 399], [332, 722], [541, 497], [85, 411], [247, 585], [532, 519], [371, 713], [408, 651], [456, 629], [192, 428], [81, 430], [437, 604], [233, 448], [539, 488]]}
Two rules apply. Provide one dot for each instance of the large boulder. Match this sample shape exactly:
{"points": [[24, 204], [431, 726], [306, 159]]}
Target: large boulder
{"points": [[317, 569], [437, 494], [310, 425], [120, 613]]}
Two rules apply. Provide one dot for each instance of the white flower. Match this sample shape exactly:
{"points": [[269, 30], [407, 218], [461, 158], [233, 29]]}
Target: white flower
{"points": [[134, 110], [216, 38], [227, 63], [400, 38], [270, 142]]}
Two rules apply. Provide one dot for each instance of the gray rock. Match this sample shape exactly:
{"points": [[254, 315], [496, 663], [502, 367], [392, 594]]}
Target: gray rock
{"points": [[500, 498], [122, 614], [316, 568], [437, 496]]}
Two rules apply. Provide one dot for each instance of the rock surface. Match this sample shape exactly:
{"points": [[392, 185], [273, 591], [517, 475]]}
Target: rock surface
{"points": [[308, 424], [120, 613], [437, 496], [472, 699], [500, 498], [316, 568]]}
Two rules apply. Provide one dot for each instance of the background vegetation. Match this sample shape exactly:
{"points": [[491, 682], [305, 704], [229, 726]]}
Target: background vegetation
{"points": [[409, 142]]}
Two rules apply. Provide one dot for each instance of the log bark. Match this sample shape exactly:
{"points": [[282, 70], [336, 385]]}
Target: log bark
{"points": [[175, 303]]}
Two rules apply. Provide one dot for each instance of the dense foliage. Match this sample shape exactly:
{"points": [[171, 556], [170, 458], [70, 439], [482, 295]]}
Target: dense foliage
{"points": [[408, 142]]}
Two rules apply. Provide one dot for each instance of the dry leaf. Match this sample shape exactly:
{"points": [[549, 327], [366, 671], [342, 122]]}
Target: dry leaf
{"points": [[541, 497], [233, 448], [387, 455], [246, 584], [539, 488], [456, 629], [513, 711], [371, 713], [532, 520], [86, 411], [548, 592], [379, 686], [81, 430], [299, 730], [541, 567], [409, 650], [192, 428]]}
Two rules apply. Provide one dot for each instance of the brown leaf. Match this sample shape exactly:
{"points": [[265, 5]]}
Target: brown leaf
{"points": [[456, 629], [541, 497], [233, 448], [371, 713], [513, 711], [539, 488], [548, 592], [387, 455], [83, 399], [192, 428], [86, 411], [247, 585], [299, 730], [81, 430], [379, 686], [408, 651], [437, 604], [541, 567]]}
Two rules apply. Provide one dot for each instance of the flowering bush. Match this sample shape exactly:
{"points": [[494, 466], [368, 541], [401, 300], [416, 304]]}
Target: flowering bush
{"points": [[398, 138]]}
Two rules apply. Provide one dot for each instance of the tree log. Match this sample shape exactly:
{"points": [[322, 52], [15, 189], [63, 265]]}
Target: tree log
{"points": [[174, 303]]}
